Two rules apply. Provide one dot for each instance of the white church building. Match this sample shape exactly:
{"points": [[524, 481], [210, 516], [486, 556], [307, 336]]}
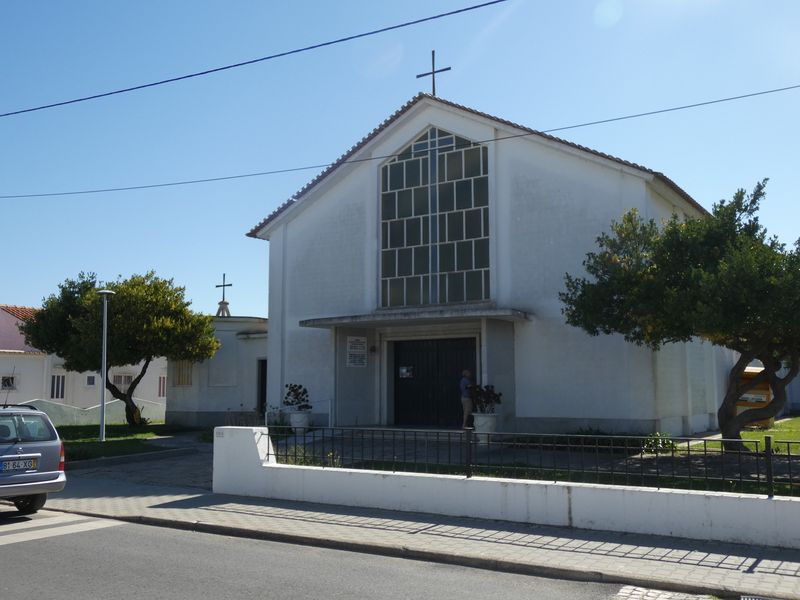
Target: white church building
{"points": [[439, 243]]}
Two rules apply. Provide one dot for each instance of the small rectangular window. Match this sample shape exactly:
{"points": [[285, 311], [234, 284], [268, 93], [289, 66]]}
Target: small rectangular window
{"points": [[183, 372], [57, 387], [90, 380], [162, 386], [8, 382]]}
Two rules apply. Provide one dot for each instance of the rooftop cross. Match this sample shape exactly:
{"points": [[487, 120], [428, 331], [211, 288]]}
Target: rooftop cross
{"points": [[433, 72], [223, 305]]}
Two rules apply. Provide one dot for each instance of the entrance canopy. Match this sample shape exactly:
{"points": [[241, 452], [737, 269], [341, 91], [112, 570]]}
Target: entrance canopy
{"points": [[418, 316]]}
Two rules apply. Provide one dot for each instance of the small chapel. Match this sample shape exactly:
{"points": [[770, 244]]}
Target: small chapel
{"points": [[439, 243]]}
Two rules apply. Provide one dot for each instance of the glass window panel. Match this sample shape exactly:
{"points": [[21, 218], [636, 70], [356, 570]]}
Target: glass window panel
{"points": [[384, 179], [472, 223], [462, 143], [486, 222], [455, 287], [442, 133], [447, 257], [485, 161], [464, 256], [413, 232], [455, 226], [426, 224], [442, 228], [404, 262], [446, 142], [421, 201], [474, 286], [396, 176], [384, 235], [426, 290], [388, 210], [413, 291], [423, 137], [454, 170], [404, 204], [388, 263], [396, 296], [464, 194], [397, 237], [421, 260], [440, 167], [442, 288], [472, 162], [385, 293], [481, 194], [486, 292], [446, 197], [424, 177], [482, 253], [405, 154], [412, 173]]}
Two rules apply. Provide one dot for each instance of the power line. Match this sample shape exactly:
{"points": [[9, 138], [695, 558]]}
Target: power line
{"points": [[373, 158], [253, 61]]}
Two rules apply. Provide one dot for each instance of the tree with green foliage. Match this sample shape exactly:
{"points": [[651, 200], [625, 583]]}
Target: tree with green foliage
{"points": [[718, 277], [148, 317]]}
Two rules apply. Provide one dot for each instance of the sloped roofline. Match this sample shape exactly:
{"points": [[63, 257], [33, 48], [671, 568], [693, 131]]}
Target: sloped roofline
{"points": [[23, 313], [416, 100]]}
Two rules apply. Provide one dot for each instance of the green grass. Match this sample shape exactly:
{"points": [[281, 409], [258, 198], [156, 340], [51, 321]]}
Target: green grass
{"points": [[81, 442], [785, 430]]}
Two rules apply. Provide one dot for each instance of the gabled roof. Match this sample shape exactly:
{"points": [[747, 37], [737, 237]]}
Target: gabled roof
{"points": [[416, 100], [23, 313]]}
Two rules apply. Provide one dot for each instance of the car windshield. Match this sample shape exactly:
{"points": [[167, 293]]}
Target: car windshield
{"points": [[25, 428]]}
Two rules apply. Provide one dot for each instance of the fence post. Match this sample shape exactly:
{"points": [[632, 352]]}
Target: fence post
{"points": [[768, 457], [468, 431]]}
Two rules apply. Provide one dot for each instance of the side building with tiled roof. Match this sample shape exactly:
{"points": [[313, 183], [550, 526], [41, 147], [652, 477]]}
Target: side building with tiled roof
{"points": [[439, 243], [29, 376]]}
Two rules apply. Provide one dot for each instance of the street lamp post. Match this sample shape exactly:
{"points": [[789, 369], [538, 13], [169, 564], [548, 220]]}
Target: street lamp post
{"points": [[105, 294]]}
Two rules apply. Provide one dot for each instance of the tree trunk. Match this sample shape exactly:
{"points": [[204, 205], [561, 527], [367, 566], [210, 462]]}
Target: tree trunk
{"points": [[132, 413], [730, 423]]}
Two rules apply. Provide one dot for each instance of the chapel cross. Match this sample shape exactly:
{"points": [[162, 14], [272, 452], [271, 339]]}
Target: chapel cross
{"points": [[223, 285], [223, 310], [433, 72]]}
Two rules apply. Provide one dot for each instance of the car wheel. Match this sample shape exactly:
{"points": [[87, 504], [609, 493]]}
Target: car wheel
{"points": [[28, 505]]}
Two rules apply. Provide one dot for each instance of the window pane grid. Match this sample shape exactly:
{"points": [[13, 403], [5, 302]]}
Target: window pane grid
{"points": [[435, 222]]}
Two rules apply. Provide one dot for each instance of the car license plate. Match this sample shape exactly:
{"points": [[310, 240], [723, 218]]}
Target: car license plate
{"points": [[25, 464]]}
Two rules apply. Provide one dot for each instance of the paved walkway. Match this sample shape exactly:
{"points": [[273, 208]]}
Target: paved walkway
{"points": [[175, 492]]}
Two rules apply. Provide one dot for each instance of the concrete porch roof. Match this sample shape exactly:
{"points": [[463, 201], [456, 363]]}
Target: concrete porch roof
{"points": [[419, 316]]}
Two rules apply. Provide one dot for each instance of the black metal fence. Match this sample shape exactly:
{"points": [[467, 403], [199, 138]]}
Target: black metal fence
{"points": [[771, 467]]}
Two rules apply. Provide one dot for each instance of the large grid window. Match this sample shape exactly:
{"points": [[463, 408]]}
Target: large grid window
{"points": [[435, 222]]}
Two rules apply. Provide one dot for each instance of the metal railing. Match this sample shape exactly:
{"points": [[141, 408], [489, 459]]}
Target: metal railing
{"points": [[771, 467]]}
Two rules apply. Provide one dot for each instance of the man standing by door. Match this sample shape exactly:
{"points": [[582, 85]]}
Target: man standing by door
{"points": [[465, 386]]}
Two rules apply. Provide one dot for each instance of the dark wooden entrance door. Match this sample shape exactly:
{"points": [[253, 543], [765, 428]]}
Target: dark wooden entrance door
{"points": [[426, 377]]}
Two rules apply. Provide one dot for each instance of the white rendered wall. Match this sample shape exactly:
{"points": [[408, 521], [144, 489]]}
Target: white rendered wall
{"points": [[548, 204], [241, 467]]}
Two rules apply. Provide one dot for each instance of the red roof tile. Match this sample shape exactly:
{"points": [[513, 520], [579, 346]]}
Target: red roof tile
{"points": [[20, 312], [419, 97]]}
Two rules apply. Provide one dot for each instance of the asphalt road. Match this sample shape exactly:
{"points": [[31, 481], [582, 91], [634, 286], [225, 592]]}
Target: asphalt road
{"points": [[55, 555]]}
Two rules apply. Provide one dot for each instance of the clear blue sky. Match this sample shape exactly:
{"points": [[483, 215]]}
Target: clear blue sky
{"points": [[542, 64]]}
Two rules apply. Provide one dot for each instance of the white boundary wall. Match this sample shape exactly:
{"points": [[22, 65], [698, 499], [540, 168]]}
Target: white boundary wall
{"points": [[241, 468]]}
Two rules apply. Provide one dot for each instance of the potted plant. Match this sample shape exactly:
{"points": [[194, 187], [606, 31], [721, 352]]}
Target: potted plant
{"points": [[296, 398], [485, 400]]}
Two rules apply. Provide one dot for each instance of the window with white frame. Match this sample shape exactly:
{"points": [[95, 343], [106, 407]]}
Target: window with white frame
{"points": [[8, 382], [57, 386], [162, 386], [90, 380]]}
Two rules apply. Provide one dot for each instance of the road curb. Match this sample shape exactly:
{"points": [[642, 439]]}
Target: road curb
{"points": [[505, 566], [92, 463]]}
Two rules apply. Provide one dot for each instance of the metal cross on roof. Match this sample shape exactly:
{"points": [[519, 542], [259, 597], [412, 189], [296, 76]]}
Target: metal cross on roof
{"points": [[433, 72], [223, 285]]}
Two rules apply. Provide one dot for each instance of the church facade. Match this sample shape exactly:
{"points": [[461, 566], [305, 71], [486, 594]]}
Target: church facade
{"points": [[439, 243]]}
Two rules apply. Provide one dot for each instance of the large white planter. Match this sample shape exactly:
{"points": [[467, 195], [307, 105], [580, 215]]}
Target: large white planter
{"points": [[485, 423], [300, 420]]}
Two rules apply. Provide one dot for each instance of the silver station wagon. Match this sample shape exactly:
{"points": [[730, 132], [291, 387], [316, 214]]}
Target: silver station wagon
{"points": [[31, 457]]}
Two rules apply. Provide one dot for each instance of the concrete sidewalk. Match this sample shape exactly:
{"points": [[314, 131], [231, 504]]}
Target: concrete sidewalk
{"points": [[174, 492]]}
